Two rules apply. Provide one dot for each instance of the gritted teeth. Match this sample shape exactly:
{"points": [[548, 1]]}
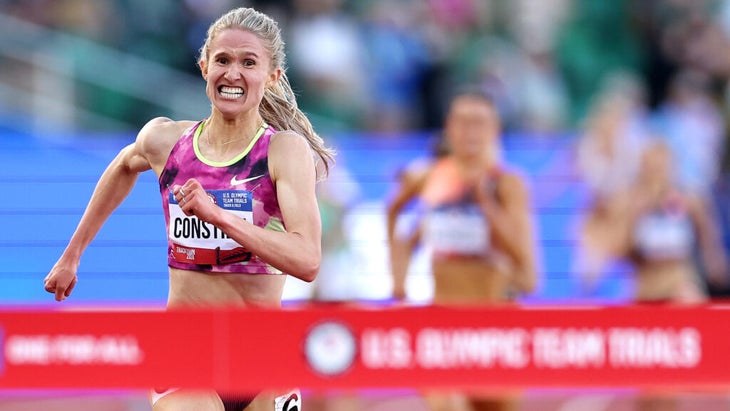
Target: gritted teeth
{"points": [[231, 92]]}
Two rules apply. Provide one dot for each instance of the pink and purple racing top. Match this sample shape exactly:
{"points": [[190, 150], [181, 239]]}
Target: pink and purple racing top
{"points": [[241, 186]]}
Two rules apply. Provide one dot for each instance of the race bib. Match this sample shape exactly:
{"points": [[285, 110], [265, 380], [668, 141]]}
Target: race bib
{"points": [[459, 229], [197, 242], [664, 236]]}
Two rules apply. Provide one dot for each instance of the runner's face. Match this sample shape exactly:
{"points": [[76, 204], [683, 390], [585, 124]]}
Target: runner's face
{"points": [[237, 71], [472, 126], [656, 164]]}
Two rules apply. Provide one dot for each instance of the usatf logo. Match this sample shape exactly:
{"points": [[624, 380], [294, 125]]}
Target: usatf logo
{"points": [[330, 348]]}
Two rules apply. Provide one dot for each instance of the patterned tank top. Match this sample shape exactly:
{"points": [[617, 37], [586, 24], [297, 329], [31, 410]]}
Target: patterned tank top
{"points": [[241, 186]]}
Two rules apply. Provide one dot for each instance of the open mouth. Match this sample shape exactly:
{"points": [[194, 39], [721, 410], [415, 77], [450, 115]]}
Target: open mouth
{"points": [[230, 92]]}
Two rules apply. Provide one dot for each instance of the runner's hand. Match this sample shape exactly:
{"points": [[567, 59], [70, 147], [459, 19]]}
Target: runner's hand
{"points": [[194, 200], [61, 280]]}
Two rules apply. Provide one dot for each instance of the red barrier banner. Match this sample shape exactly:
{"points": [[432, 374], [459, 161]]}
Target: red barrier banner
{"points": [[325, 347]]}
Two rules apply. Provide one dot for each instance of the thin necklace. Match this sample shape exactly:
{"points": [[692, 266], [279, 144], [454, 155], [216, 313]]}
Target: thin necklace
{"points": [[207, 135]]}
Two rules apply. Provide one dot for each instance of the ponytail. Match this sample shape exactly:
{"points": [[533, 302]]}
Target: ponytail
{"points": [[279, 108]]}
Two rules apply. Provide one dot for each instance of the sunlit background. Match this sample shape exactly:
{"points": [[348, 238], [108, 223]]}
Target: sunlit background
{"points": [[79, 77]]}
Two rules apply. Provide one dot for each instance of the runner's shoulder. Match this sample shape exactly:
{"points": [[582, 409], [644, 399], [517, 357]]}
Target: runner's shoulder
{"points": [[164, 127], [160, 134]]}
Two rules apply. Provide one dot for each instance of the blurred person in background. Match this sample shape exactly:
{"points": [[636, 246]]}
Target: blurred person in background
{"points": [[691, 122], [476, 225], [581, 53], [661, 224], [539, 91], [256, 145], [327, 54], [659, 227], [398, 64], [607, 159]]}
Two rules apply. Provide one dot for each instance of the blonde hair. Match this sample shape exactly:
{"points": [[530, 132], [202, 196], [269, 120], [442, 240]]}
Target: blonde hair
{"points": [[279, 106]]}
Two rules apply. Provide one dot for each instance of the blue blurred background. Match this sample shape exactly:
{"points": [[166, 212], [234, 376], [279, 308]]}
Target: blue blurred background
{"points": [[79, 77]]}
